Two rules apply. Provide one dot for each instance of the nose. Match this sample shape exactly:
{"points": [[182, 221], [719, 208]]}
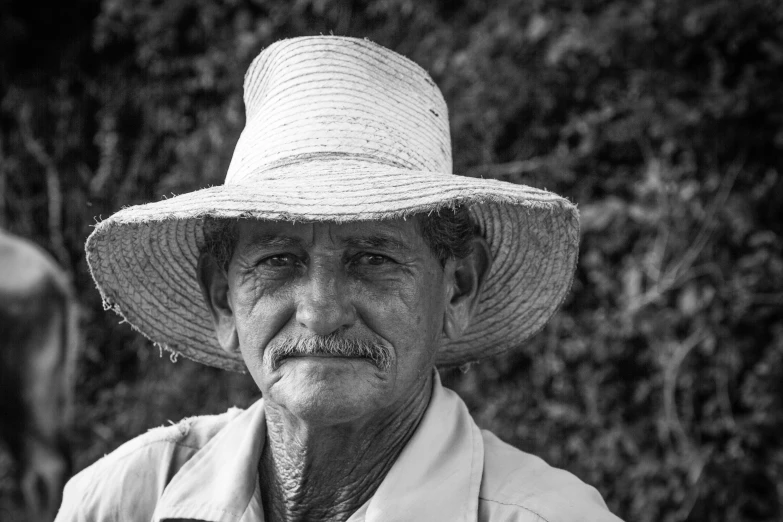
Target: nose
{"points": [[324, 306]]}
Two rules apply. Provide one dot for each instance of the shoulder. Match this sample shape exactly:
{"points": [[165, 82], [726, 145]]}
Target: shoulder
{"points": [[138, 471], [519, 486]]}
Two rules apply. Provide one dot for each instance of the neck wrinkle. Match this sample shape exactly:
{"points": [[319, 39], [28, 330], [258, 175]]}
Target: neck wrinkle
{"points": [[329, 475]]}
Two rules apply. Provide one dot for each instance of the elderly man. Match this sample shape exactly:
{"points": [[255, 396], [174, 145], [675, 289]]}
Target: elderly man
{"points": [[339, 264]]}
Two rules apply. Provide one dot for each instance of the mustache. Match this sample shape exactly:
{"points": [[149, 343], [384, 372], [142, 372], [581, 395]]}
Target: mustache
{"points": [[327, 345]]}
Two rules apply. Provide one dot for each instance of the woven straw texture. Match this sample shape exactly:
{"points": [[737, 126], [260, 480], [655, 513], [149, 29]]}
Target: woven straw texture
{"points": [[338, 129]]}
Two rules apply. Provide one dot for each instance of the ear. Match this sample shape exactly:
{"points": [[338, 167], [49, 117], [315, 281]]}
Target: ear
{"points": [[464, 280], [213, 280]]}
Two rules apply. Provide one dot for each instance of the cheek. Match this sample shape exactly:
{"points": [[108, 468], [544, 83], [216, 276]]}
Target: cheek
{"points": [[260, 313], [425, 299], [409, 314]]}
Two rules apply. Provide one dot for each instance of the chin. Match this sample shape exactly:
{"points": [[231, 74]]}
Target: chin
{"points": [[329, 392]]}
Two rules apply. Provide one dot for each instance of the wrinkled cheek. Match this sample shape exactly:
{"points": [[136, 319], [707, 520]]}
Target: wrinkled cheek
{"points": [[258, 321]]}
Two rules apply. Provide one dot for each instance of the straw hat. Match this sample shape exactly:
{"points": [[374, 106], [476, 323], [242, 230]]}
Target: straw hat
{"points": [[338, 129]]}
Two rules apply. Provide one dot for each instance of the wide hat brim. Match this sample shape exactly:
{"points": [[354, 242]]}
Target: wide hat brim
{"points": [[144, 258]]}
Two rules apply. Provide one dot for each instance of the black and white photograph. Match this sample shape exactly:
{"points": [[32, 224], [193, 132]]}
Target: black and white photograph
{"points": [[391, 261]]}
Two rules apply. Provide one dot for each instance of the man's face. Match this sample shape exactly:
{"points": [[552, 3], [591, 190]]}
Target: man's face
{"points": [[375, 282]]}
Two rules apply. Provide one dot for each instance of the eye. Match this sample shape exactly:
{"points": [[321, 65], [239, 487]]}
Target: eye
{"points": [[280, 261], [367, 259]]}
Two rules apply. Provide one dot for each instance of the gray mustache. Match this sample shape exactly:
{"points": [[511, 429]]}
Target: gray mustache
{"points": [[329, 345]]}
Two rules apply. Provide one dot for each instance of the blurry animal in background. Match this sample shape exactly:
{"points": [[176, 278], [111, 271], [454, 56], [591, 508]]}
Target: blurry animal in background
{"points": [[38, 349]]}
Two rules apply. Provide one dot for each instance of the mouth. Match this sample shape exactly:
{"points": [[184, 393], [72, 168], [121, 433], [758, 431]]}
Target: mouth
{"points": [[325, 359], [326, 356]]}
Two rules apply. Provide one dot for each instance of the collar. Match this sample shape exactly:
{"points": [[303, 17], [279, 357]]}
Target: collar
{"points": [[436, 477]]}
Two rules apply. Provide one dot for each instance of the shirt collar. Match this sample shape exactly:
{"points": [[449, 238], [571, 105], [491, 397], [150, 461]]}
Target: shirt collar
{"points": [[438, 474], [436, 477], [219, 483]]}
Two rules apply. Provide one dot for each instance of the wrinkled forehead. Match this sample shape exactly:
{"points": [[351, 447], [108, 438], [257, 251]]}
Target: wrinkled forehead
{"points": [[397, 234]]}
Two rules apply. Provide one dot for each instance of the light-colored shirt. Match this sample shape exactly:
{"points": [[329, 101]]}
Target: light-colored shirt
{"points": [[205, 468]]}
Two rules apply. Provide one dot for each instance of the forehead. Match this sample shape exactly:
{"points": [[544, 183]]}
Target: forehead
{"points": [[401, 234]]}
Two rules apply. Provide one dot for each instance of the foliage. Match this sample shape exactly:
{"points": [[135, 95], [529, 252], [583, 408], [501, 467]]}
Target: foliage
{"points": [[661, 380]]}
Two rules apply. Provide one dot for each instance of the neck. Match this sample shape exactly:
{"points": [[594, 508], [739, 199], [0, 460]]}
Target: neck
{"points": [[328, 472]]}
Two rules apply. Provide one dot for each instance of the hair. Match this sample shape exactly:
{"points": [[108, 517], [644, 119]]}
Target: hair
{"points": [[333, 344], [446, 231], [220, 239]]}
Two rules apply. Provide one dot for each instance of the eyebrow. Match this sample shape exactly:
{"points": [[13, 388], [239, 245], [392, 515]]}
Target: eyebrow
{"points": [[375, 241], [274, 241]]}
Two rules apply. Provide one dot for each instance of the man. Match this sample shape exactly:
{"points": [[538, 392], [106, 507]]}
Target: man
{"points": [[340, 262]]}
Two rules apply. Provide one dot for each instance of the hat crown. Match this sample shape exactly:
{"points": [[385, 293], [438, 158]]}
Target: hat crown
{"points": [[338, 102]]}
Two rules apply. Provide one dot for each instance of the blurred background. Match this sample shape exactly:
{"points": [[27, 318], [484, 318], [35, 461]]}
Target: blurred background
{"points": [[660, 381]]}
